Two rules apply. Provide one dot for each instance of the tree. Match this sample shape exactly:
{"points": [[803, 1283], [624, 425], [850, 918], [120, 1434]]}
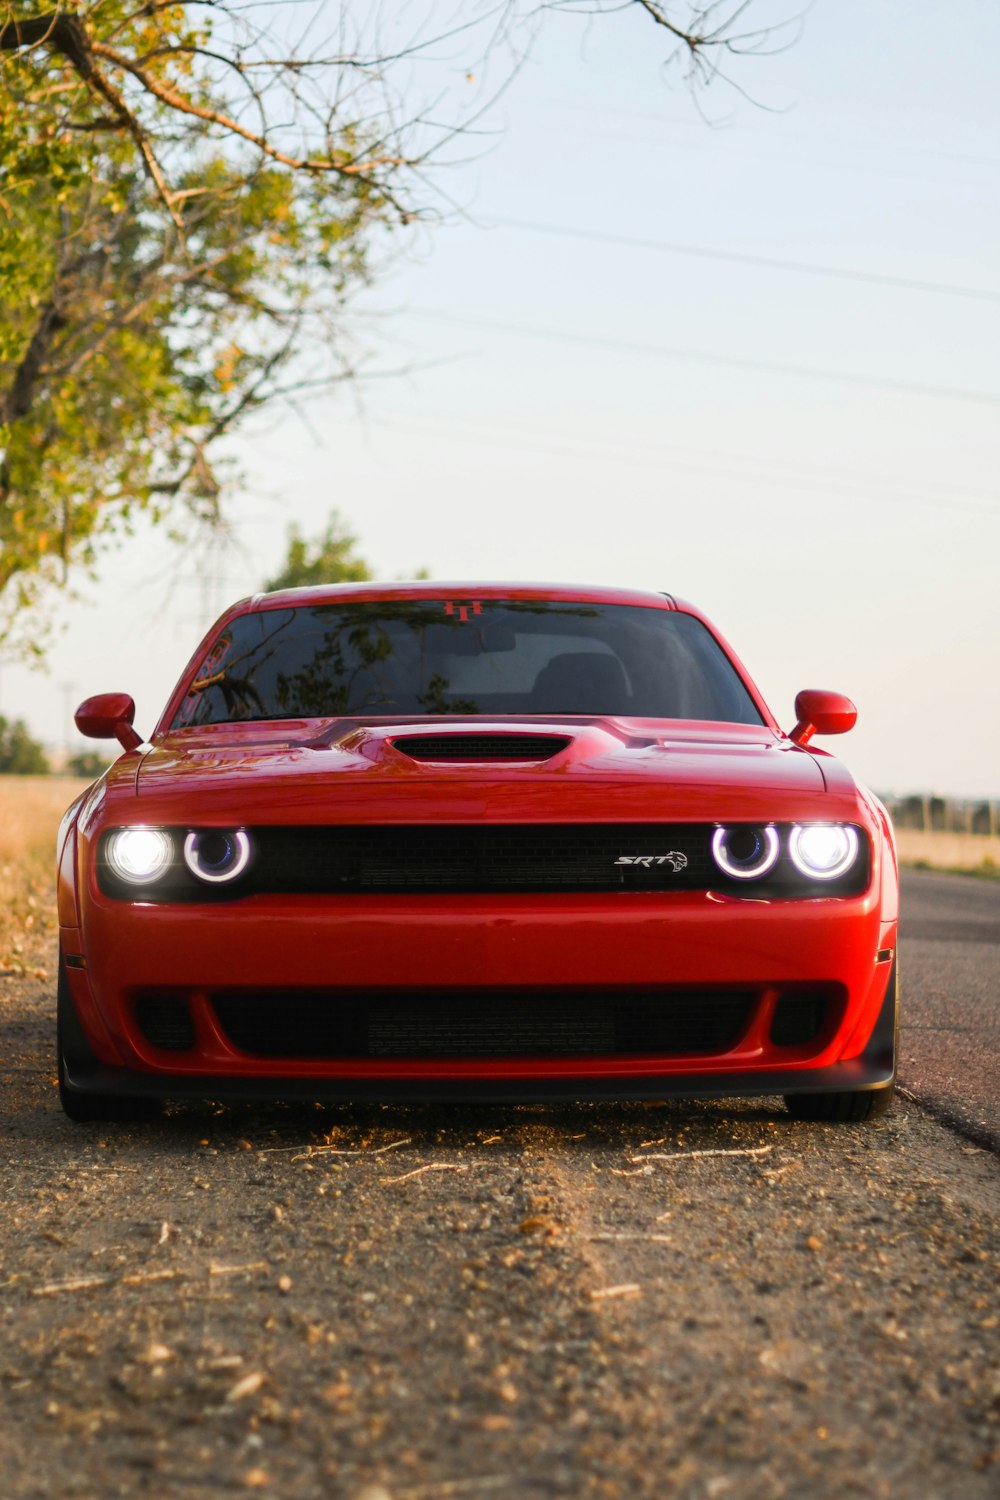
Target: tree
{"points": [[187, 202], [329, 558], [20, 755], [161, 265], [88, 763]]}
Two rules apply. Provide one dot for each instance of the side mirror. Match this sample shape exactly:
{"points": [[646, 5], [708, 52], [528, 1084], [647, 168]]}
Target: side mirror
{"points": [[820, 712], [108, 716]]}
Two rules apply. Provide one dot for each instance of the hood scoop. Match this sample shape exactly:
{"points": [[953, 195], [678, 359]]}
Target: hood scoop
{"points": [[480, 747]]}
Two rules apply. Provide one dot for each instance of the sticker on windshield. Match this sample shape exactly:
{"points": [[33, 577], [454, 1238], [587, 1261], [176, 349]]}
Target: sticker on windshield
{"points": [[453, 607]]}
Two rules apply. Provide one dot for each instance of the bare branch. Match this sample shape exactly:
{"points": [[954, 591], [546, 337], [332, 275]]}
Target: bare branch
{"points": [[226, 122]]}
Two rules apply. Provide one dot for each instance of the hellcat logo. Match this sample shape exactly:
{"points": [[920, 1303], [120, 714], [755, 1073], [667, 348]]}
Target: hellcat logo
{"points": [[675, 859]]}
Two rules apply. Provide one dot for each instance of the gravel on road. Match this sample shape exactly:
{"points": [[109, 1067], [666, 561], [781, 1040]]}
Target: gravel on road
{"points": [[684, 1300]]}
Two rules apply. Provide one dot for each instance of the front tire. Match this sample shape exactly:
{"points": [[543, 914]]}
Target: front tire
{"points": [[843, 1107], [840, 1107], [84, 1108]]}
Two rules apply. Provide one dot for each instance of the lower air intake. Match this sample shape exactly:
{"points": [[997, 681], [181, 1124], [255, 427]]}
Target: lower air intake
{"points": [[165, 1022], [541, 1024], [798, 1019]]}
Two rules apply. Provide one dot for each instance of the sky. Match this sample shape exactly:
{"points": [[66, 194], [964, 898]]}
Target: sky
{"points": [[744, 350]]}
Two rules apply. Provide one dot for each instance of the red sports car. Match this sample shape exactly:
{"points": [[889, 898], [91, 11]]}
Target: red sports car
{"points": [[477, 841]]}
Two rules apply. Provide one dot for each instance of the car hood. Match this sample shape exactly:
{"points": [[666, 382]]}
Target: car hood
{"points": [[328, 771]]}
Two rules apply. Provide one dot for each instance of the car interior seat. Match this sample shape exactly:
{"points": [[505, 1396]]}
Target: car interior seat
{"points": [[582, 682]]}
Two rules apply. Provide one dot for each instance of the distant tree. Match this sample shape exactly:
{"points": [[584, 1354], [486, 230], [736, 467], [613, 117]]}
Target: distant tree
{"points": [[327, 558], [20, 755], [88, 763]]}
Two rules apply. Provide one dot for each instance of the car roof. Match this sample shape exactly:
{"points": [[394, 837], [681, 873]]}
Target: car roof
{"points": [[461, 589]]}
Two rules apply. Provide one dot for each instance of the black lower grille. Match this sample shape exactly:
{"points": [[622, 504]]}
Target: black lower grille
{"points": [[798, 1019], [165, 1021], [480, 747], [483, 1025]]}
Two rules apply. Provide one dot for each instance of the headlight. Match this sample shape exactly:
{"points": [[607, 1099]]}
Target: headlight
{"points": [[217, 854], [140, 855], [823, 850], [745, 853]]}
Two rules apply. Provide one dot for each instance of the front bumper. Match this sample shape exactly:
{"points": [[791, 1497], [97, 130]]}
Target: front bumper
{"points": [[409, 945]]}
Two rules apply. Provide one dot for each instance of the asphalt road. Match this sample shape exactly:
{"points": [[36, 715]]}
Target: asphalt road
{"points": [[700, 1301], [950, 1012]]}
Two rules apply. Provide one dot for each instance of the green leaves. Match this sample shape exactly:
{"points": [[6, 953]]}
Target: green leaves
{"points": [[170, 259], [328, 558], [20, 755]]}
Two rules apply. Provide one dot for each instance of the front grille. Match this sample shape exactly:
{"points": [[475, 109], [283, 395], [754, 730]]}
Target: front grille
{"points": [[494, 857], [483, 1024], [165, 1021], [443, 858], [479, 747]]}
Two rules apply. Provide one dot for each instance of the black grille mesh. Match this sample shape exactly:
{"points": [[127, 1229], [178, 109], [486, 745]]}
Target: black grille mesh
{"points": [[443, 858], [494, 857], [798, 1019], [477, 747], [483, 1025], [165, 1020]]}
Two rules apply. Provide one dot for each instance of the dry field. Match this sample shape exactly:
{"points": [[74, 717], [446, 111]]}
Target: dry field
{"points": [[30, 809], [974, 852]]}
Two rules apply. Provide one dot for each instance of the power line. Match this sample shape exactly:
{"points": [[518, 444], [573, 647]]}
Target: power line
{"points": [[659, 351], [824, 139], [738, 257], [667, 462]]}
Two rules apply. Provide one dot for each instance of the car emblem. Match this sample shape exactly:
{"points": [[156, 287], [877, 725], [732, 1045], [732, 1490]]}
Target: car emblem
{"points": [[675, 859]]}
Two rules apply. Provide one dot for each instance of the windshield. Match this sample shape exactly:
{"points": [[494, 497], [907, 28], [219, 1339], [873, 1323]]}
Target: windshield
{"points": [[441, 656]]}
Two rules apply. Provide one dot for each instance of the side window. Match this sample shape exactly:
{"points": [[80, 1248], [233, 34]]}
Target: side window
{"points": [[207, 674]]}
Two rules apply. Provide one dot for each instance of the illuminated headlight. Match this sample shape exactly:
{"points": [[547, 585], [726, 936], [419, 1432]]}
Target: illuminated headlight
{"points": [[823, 850], [217, 854], [745, 853], [140, 855]]}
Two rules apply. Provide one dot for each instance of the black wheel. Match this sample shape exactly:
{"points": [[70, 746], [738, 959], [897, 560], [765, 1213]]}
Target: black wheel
{"points": [[83, 1108], [846, 1107]]}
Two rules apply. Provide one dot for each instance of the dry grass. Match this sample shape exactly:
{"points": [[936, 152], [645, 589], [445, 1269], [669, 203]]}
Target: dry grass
{"points": [[976, 853], [30, 809]]}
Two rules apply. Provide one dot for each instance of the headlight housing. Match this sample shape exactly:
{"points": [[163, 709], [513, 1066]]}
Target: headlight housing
{"points": [[745, 853], [787, 859], [217, 855], [823, 851], [140, 856]]}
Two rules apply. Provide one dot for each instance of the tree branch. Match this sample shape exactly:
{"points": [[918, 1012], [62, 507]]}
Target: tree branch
{"points": [[57, 30], [166, 95], [18, 401]]}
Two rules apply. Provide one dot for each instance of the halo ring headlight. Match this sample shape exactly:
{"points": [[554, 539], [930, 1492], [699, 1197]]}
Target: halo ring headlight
{"points": [[745, 853], [139, 855], [217, 855], [823, 851]]}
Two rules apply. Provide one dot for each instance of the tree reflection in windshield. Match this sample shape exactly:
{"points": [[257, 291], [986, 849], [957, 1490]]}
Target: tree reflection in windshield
{"points": [[437, 656]]}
